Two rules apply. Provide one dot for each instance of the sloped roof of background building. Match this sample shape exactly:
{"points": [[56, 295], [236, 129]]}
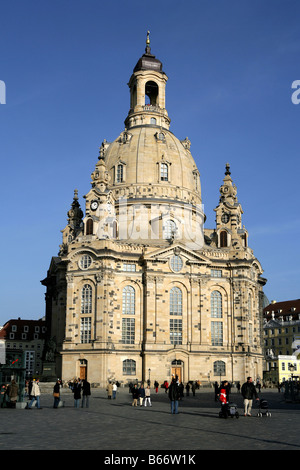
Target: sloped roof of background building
{"points": [[283, 309], [7, 328]]}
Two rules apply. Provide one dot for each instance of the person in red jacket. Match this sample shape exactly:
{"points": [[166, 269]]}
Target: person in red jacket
{"points": [[223, 397]]}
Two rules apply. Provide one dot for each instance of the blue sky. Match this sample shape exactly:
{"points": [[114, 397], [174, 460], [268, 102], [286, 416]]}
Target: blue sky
{"points": [[66, 65]]}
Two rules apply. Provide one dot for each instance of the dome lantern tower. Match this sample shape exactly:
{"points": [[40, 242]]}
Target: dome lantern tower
{"points": [[147, 92]]}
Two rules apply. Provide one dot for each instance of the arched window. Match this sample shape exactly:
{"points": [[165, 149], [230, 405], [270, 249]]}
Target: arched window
{"points": [[128, 308], [128, 301], [151, 91], [164, 172], [89, 227], [169, 229], [133, 97], [129, 367], [223, 239], [115, 229], [219, 368], [176, 309], [249, 307], [153, 121], [175, 301], [86, 299], [216, 304], [120, 173]]}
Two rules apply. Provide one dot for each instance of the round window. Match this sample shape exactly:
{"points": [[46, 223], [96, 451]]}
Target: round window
{"points": [[176, 263], [85, 261]]}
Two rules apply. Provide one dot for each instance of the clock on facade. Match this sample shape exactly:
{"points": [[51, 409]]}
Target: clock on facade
{"points": [[225, 218], [94, 205]]}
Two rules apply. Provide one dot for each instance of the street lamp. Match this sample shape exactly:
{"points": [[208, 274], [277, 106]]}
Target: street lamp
{"points": [[149, 370], [291, 368]]}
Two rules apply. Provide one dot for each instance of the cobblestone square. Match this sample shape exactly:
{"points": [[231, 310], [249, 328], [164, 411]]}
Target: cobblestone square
{"points": [[114, 425]]}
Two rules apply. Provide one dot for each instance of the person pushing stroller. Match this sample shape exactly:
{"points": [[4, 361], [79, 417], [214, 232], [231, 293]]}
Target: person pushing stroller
{"points": [[227, 408], [223, 398]]}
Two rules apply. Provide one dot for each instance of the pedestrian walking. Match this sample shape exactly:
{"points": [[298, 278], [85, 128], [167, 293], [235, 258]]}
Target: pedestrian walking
{"points": [[216, 387], [4, 389], [77, 393], [174, 396], [181, 390], [258, 385], [56, 394], [35, 394], [156, 384], [141, 394], [13, 394], [147, 396], [248, 392], [187, 387], [109, 390], [115, 388], [86, 393], [135, 395], [194, 388]]}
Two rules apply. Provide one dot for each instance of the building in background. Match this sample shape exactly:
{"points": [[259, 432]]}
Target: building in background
{"points": [[24, 341], [281, 338], [288, 368], [140, 289]]}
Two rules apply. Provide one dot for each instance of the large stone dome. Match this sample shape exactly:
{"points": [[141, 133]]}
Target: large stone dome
{"points": [[147, 161], [147, 175]]}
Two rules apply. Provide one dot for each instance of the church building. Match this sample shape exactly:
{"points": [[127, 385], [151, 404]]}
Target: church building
{"points": [[140, 288]]}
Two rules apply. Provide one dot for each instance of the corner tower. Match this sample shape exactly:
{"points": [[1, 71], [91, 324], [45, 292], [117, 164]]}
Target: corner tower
{"points": [[229, 229]]}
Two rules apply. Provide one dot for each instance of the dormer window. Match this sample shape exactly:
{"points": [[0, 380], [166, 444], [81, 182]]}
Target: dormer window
{"points": [[223, 239], [160, 136], [89, 227], [120, 173], [164, 172], [169, 230]]}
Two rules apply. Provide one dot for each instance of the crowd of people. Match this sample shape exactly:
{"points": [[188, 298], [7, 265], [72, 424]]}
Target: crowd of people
{"points": [[141, 394], [9, 395], [175, 391]]}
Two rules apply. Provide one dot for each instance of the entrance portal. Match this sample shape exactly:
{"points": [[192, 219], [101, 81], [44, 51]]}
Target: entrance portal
{"points": [[83, 369], [177, 369]]}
